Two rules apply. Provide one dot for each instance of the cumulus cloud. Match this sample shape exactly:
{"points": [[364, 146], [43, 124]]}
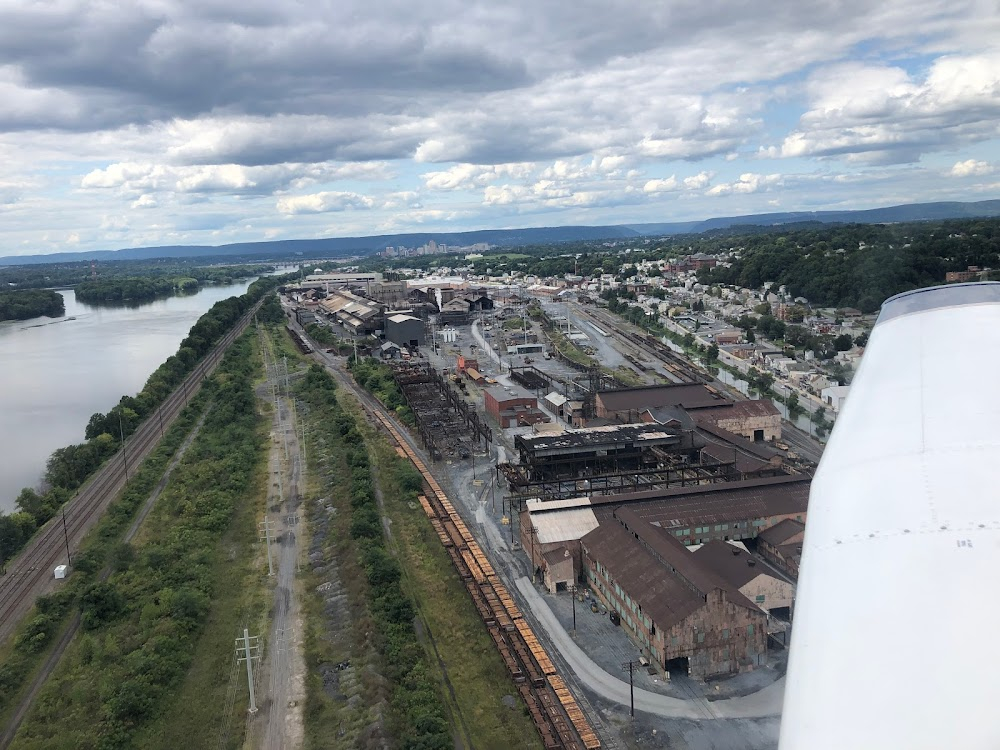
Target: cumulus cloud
{"points": [[554, 106], [472, 176], [971, 167], [884, 114], [747, 183], [324, 202], [230, 178], [698, 181], [145, 201], [661, 186]]}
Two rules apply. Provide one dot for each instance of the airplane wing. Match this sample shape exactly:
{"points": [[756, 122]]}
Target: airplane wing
{"points": [[899, 588]]}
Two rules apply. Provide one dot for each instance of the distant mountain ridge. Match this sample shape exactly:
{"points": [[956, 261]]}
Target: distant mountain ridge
{"points": [[887, 215], [526, 236]]}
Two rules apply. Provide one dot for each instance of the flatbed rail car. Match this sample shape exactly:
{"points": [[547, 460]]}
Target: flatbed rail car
{"points": [[300, 342], [556, 715]]}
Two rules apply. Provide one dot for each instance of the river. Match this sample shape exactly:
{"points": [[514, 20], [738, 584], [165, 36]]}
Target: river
{"points": [[56, 372]]}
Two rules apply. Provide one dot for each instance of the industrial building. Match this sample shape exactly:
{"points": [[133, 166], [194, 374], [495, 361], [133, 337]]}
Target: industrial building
{"points": [[741, 569], [576, 453], [694, 514], [357, 314], [781, 545], [623, 458], [757, 421], [513, 407], [626, 404], [684, 615], [330, 281], [405, 330]]}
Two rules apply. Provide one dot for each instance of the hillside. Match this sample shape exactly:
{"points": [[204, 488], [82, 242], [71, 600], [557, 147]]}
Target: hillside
{"points": [[342, 246]]}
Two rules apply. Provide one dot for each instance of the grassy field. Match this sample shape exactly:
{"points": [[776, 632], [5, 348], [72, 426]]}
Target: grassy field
{"points": [[472, 674]]}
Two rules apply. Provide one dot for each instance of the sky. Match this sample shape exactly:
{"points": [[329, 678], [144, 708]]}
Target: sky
{"points": [[155, 122]]}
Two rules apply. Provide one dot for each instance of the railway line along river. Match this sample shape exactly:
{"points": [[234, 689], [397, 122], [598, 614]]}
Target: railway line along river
{"points": [[56, 372]]}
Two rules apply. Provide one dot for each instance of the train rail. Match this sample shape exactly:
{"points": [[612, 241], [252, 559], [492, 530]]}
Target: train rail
{"points": [[31, 572], [556, 714]]}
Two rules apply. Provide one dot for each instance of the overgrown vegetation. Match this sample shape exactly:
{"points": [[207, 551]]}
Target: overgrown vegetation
{"points": [[376, 378], [475, 679], [31, 304], [35, 637], [326, 337], [416, 717], [144, 622], [68, 468]]}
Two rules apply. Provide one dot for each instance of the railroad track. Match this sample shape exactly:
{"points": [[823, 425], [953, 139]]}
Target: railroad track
{"points": [[557, 716], [648, 345], [31, 572]]}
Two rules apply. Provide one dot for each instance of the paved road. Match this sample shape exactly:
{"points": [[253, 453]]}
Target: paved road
{"points": [[766, 702]]}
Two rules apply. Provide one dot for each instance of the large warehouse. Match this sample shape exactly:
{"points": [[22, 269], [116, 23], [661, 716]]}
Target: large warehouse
{"points": [[684, 615], [405, 330]]}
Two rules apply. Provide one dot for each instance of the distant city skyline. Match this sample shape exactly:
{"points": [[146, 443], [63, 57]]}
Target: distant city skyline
{"points": [[205, 123]]}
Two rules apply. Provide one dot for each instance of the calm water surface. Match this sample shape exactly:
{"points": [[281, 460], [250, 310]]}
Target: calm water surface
{"points": [[54, 375]]}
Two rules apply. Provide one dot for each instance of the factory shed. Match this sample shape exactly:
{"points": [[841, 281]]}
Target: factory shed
{"points": [[683, 615], [625, 404], [740, 569], [553, 525], [758, 421], [781, 545], [513, 407], [405, 330]]}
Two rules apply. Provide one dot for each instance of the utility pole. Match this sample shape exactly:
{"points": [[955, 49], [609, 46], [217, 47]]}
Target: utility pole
{"points": [[265, 531], [121, 430], [630, 666], [69, 557], [248, 649], [572, 593]]}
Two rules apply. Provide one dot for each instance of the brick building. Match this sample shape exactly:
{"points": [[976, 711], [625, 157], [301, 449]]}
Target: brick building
{"points": [[753, 580], [693, 515], [682, 614], [781, 545], [513, 410], [755, 420]]}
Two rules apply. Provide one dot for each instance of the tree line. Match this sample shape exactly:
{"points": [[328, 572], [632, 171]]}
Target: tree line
{"points": [[860, 265], [132, 289], [141, 626], [47, 275], [31, 303], [69, 467]]}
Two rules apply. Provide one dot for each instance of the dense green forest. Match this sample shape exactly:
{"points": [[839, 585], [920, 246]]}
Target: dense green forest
{"points": [[860, 265], [71, 274], [32, 303], [131, 289]]}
